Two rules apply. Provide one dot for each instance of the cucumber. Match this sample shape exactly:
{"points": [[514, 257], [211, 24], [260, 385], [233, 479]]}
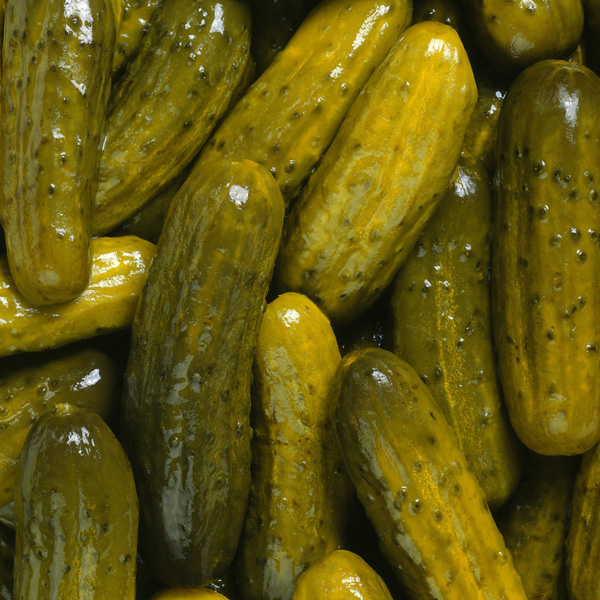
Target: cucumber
{"points": [[186, 402], [514, 35], [442, 327], [173, 92], [289, 116], [430, 514], [363, 209], [546, 257], [83, 377], [339, 576], [76, 510], [56, 64], [300, 495], [534, 523], [583, 544], [119, 270]]}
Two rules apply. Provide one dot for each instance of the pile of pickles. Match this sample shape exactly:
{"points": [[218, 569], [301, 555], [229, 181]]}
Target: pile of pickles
{"points": [[300, 300]]}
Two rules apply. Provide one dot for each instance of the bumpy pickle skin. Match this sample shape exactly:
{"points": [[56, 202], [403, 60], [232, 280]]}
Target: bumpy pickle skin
{"points": [[55, 86], [546, 257], [119, 269], [134, 23], [172, 94], [76, 510], [300, 496], [514, 35], [583, 547], [534, 523], [363, 209], [86, 378], [289, 116], [442, 327], [186, 401], [430, 514], [339, 576]]}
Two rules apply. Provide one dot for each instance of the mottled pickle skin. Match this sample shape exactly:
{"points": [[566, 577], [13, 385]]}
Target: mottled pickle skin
{"points": [[86, 378], [443, 328], [430, 514], [186, 400], [516, 34], [534, 523], [300, 496], [583, 542], [289, 116], [363, 209], [119, 269], [546, 257], [76, 511], [135, 16], [341, 575], [170, 97], [56, 64]]}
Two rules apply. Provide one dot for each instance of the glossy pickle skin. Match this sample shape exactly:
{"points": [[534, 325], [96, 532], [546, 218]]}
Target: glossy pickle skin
{"points": [[430, 514], [119, 269], [546, 257], [363, 209], [86, 378], [289, 116], [300, 496], [87, 549], [514, 35], [442, 327], [339, 576], [534, 523], [55, 85], [583, 547], [186, 402], [185, 70]]}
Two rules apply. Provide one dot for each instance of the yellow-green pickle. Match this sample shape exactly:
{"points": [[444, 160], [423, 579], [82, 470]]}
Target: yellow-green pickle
{"points": [[77, 511], [364, 207], [583, 542], [119, 270], [173, 92], [341, 575], [430, 513], [34, 384], [300, 494], [546, 257], [289, 116], [514, 35], [186, 401], [534, 523], [442, 328], [56, 63]]}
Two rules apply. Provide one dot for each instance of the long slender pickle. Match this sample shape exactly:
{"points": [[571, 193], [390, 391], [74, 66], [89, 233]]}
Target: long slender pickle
{"points": [[289, 116], [56, 64], [363, 209], [430, 514], [300, 495], [186, 403], [534, 523], [76, 511], [443, 328], [173, 92], [546, 257], [583, 543], [119, 269]]}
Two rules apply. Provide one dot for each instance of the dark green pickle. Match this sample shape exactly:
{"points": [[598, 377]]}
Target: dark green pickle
{"points": [[76, 511], [186, 402]]}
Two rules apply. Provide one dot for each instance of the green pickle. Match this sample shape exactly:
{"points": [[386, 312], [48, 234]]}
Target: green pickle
{"points": [[76, 511]]}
